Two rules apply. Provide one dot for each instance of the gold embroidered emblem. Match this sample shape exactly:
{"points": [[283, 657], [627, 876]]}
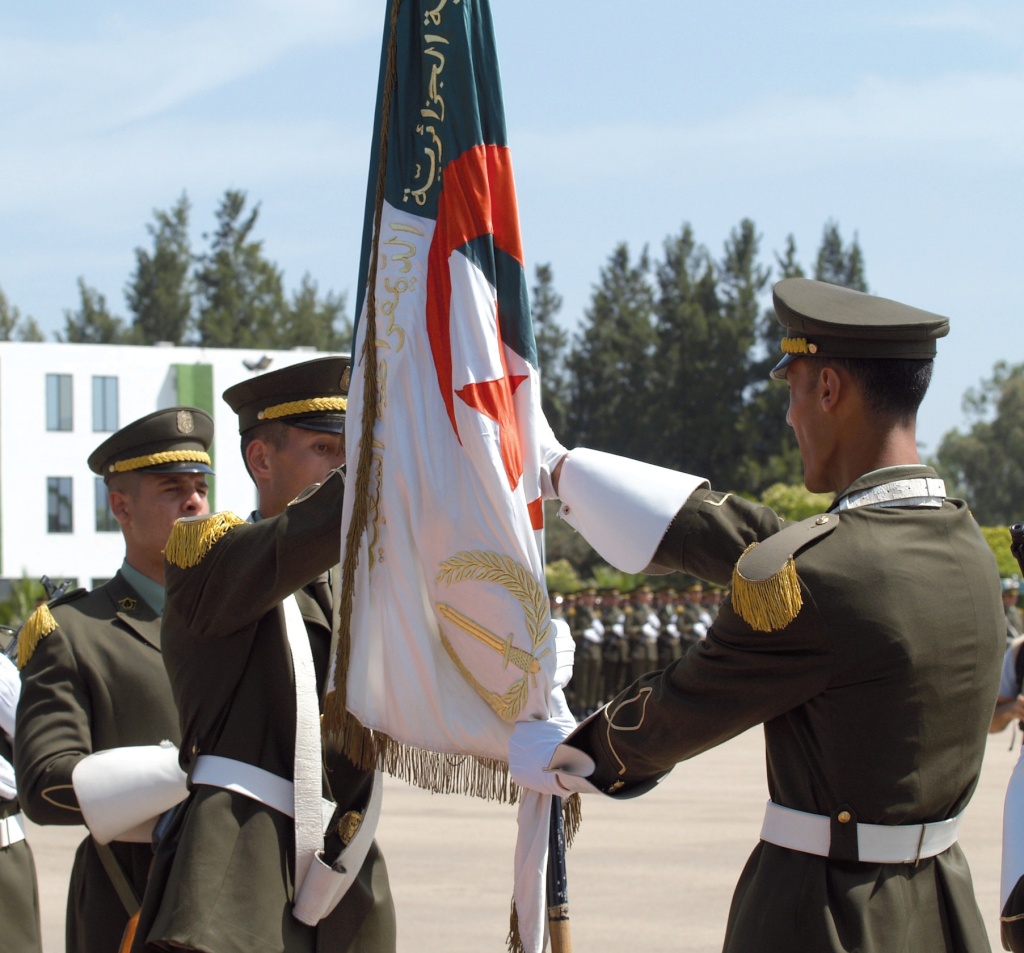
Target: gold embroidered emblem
{"points": [[128, 604], [346, 379], [482, 566], [186, 423]]}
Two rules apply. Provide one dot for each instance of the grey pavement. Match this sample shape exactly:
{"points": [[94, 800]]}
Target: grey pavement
{"points": [[652, 874]]}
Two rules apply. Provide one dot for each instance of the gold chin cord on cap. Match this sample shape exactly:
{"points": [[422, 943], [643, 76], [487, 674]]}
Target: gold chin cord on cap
{"points": [[311, 406], [155, 459]]}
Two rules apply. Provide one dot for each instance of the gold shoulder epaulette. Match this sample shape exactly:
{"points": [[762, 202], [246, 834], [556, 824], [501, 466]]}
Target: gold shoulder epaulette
{"points": [[194, 536], [41, 623], [765, 586]]}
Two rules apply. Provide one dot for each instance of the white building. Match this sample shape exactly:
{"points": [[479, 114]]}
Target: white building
{"points": [[58, 402]]}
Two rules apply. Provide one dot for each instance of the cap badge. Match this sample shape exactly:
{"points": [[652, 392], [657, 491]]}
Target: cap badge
{"points": [[185, 422], [346, 378]]}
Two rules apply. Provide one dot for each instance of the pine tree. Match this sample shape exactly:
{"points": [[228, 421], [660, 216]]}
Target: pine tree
{"points": [[159, 294], [93, 322], [551, 338], [241, 297]]}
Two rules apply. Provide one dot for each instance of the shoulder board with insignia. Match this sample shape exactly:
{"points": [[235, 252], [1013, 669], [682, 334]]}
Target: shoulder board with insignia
{"points": [[765, 587], [41, 623], [194, 536]]}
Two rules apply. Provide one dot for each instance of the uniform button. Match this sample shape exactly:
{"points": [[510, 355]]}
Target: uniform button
{"points": [[843, 817]]}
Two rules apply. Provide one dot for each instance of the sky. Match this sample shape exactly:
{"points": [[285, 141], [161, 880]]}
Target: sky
{"points": [[902, 123]]}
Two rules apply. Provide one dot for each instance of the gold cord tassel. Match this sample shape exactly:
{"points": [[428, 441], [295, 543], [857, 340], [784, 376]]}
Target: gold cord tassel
{"points": [[192, 539], [337, 722], [37, 625], [767, 604]]}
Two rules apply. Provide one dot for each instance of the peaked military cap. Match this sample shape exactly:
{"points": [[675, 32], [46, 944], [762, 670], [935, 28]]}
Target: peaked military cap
{"points": [[830, 321], [312, 395], [174, 440]]}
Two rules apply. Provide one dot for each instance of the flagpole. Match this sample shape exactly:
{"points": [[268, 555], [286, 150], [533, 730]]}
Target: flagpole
{"points": [[557, 883]]}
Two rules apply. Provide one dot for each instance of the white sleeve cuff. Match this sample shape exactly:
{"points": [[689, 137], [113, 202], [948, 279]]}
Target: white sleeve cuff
{"points": [[622, 507]]}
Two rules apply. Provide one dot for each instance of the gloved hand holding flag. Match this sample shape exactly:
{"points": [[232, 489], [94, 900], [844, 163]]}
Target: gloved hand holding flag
{"points": [[445, 631]]}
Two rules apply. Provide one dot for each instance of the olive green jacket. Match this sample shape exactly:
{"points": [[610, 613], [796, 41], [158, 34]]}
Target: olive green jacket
{"points": [[223, 877], [96, 682], [875, 698], [19, 893]]}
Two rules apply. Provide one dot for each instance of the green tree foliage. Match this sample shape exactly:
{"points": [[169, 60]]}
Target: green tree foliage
{"points": [[998, 539], [838, 263], [241, 295], [14, 327], [986, 464], [610, 366], [312, 321], [545, 303], [19, 605], [159, 294], [93, 322], [794, 501]]}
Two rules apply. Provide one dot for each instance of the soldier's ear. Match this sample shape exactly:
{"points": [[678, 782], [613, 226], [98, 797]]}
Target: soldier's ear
{"points": [[257, 458], [120, 506]]}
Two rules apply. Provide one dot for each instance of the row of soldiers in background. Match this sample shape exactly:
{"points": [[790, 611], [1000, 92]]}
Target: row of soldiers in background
{"points": [[620, 636]]}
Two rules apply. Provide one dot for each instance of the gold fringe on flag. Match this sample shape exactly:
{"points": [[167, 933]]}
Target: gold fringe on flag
{"points": [[767, 604], [193, 537], [37, 625]]}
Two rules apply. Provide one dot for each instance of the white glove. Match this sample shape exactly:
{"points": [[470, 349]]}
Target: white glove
{"points": [[8, 787], [538, 760], [122, 791], [10, 690], [565, 653], [551, 453]]}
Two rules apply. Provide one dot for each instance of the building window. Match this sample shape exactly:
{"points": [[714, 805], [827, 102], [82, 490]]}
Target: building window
{"points": [[58, 402], [104, 404], [105, 522], [58, 504]]}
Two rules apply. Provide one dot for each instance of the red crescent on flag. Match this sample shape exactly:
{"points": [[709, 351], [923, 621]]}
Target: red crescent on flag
{"points": [[478, 198]]}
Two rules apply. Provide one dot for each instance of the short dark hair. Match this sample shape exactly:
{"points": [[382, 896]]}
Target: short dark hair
{"points": [[893, 387], [274, 432]]}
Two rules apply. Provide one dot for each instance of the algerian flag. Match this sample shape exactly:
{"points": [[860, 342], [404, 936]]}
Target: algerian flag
{"points": [[451, 640]]}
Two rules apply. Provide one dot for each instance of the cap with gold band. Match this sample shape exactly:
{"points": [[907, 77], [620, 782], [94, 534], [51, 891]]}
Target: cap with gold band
{"points": [[173, 440], [826, 320], [312, 395]]}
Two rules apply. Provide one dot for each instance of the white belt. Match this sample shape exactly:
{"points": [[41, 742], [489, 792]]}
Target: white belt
{"points": [[12, 829], [252, 782], [876, 843]]}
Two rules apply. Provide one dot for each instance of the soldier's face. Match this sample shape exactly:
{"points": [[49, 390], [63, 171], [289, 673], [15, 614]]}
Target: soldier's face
{"points": [[307, 457], [148, 510], [810, 424]]}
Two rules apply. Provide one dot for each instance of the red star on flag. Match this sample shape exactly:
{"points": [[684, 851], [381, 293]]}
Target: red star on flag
{"points": [[494, 399]]}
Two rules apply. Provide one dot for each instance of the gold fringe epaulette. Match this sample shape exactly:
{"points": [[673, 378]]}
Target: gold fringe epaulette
{"points": [[765, 585], [194, 536], [767, 604], [41, 623]]}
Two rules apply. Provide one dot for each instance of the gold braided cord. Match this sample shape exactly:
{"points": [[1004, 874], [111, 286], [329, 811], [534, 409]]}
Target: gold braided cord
{"points": [[37, 625], [192, 539], [154, 459], [767, 604], [347, 732], [795, 346], [311, 406]]}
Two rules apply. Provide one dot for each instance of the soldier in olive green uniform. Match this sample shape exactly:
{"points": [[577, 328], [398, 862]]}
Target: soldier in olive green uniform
{"points": [[224, 877], [642, 628], [615, 665], [19, 894], [867, 640], [588, 634], [95, 702]]}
